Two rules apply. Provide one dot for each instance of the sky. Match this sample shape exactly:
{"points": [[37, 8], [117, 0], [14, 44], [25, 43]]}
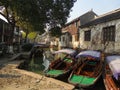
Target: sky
{"points": [[98, 6]]}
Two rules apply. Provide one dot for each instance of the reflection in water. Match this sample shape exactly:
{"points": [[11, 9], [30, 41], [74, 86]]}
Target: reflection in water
{"points": [[46, 63], [47, 57]]}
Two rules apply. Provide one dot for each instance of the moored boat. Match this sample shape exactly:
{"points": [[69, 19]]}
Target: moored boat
{"points": [[63, 63], [88, 69], [111, 74]]}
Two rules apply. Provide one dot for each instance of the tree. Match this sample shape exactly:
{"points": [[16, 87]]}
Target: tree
{"points": [[36, 13], [59, 11], [55, 31]]}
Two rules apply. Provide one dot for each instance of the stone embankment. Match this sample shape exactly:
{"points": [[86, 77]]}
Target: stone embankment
{"points": [[12, 78]]}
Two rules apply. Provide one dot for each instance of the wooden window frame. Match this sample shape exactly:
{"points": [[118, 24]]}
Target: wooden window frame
{"points": [[108, 33], [63, 39], [87, 35]]}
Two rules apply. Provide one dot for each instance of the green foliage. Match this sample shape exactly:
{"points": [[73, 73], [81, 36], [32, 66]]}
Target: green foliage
{"points": [[34, 14], [56, 31], [59, 11], [32, 35]]}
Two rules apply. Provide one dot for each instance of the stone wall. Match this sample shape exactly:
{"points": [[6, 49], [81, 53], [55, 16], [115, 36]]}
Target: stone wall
{"points": [[96, 42]]}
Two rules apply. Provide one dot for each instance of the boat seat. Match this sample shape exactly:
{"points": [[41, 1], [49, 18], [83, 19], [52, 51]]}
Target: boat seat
{"points": [[80, 68], [53, 64], [68, 60], [68, 65], [92, 63], [86, 73], [60, 65]]}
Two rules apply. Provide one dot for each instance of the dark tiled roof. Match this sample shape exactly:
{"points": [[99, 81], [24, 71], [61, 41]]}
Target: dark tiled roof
{"points": [[113, 15], [83, 18]]}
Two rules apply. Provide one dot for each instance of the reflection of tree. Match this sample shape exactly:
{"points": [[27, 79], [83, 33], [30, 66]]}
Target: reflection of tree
{"points": [[36, 65]]}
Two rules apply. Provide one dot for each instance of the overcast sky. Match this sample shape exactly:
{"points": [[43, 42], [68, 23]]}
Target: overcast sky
{"points": [[99, 7]]}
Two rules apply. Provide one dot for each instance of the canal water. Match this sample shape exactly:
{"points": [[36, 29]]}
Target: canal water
{"points": [[98, 86]]}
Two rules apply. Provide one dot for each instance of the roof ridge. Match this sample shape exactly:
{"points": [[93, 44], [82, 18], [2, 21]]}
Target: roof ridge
{"points": [[112, 15], [81, 16], [108, 13]]}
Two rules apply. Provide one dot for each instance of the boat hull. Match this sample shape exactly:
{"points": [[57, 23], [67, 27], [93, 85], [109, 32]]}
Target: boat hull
{"points": [[109, 81], [88, 75]]}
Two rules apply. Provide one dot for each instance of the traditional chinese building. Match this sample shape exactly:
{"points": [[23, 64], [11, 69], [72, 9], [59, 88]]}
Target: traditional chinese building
{"points": [[70, 32], [102, 33]]}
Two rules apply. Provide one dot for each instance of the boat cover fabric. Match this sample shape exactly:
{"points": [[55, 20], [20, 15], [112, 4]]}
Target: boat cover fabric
{"points": [[114, 64], [67, 51], [68, 60], [55, 72], [91, 53], [84, 80]]}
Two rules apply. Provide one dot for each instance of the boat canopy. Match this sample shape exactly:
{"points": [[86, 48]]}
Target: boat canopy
{"points": [[95, 54], [114, 64], [67, 51]]}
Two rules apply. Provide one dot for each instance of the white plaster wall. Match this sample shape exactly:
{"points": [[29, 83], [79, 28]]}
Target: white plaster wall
{"points": [[66, 42], [96, 42], [83, 44], [62, 43]]}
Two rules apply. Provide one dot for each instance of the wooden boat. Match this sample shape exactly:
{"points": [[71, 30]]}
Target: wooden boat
{"points": [[111, 74], [63, 63], [88, 69]]}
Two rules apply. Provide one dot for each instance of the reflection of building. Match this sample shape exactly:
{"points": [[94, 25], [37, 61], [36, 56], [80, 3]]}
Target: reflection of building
{"points": [[102, 33], [70, 34]]}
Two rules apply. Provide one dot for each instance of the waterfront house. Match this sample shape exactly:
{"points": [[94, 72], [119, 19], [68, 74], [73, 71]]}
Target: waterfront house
{"points": [[70, 34], [102, 33]]}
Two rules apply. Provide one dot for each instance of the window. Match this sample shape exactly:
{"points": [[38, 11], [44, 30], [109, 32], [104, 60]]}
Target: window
{"points": [[63, 38], [70, 38], [76, 24], [109, 33], [60, 39], [87, 35]]}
